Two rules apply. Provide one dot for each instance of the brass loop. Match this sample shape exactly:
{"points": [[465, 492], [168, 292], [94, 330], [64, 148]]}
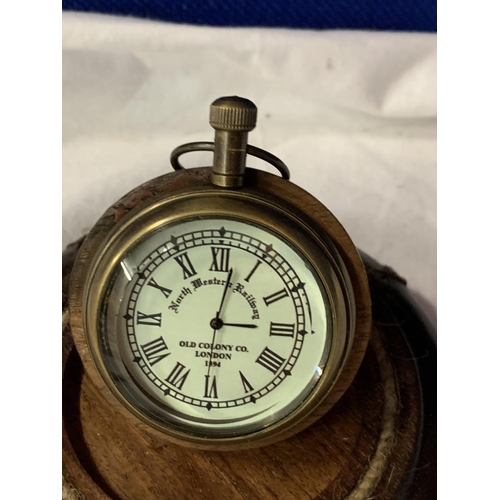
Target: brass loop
{"points": [[209, 146], [187, 148], [271, 159]]}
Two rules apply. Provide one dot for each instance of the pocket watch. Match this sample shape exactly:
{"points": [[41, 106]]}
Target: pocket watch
{"points": [[220, 307]]}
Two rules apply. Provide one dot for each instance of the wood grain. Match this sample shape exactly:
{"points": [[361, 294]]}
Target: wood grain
{"points": [[328, 457], [104, 456], [378, 441]]}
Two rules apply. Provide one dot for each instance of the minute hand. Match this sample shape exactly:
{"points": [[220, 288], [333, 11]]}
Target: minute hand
{"points": [[228, 282], [240, 325]]}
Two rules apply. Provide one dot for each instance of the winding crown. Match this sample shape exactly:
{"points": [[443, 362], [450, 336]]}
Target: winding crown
{"points": [[233, 114]]}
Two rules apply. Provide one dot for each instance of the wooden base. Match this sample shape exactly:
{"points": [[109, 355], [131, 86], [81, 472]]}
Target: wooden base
{"points": [[369, 445]]}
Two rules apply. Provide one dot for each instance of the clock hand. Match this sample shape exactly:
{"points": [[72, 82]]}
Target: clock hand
{"points": [[211, 351], [217, 319], [228, 281], [240, 325]]}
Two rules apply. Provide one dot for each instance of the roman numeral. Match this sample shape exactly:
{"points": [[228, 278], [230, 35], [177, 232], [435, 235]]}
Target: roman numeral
{"points": [[274, 297], [210, 389], [247, 387], [148, 319], [162, 289], [185, 263], [155, 351], [220, 259], [270, 360], [282, 329], [247, 279], [178, 376]]}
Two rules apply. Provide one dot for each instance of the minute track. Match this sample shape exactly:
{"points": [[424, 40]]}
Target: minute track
{"points": [[230, 239]]}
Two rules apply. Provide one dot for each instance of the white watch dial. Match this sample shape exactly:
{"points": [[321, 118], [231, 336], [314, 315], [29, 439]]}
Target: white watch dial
{"points": [[216, 326]]}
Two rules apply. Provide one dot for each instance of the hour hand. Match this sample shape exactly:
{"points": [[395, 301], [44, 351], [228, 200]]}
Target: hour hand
{"points": [[240, 325]]}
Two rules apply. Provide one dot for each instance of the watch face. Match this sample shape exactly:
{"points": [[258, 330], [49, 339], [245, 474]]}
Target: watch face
{"points": [[215, 327]]}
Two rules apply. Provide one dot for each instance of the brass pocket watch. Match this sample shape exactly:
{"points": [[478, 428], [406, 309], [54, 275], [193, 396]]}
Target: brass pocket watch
{"points": [[220, 307]]}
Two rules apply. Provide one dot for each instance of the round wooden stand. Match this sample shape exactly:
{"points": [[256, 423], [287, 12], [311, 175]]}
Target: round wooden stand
{"points": [[378, 442]]}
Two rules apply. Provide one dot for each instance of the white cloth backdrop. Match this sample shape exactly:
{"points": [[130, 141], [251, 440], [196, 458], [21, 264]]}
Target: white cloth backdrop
{"points": [[353, 115]]}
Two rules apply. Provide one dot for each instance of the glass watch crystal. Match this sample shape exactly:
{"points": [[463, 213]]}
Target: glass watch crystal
{"points": [[216, 326]]}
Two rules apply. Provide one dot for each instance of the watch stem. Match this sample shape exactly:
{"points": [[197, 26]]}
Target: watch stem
{"points": [[232, 118]]}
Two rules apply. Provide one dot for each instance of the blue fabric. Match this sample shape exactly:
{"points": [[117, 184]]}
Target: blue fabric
{"points": [[397, 15]]}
